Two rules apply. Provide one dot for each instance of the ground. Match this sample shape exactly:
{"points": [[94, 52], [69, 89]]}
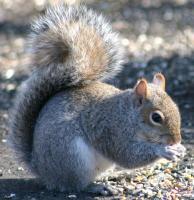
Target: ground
{"points": [[158, 35]]}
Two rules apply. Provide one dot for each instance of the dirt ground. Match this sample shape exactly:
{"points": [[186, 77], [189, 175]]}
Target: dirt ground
{"points": [[158, 36]]}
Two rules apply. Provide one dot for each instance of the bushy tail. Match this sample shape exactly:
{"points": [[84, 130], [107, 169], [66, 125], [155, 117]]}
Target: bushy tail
{"points": [[71, 46]]}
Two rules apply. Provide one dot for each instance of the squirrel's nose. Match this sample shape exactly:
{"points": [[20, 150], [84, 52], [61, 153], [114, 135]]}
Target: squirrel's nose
{"points": [[175, 139]]}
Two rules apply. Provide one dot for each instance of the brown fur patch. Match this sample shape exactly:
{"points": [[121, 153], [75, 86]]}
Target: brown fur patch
{"points": [[89, 51], [53, 48], [77, 45]]}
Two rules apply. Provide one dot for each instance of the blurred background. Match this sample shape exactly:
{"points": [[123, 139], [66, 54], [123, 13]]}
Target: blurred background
{"points": [[158, 36]]}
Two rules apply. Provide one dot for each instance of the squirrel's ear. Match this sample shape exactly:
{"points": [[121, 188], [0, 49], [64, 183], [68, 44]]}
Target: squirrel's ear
{"points": [[159, 80], [141, 89]]}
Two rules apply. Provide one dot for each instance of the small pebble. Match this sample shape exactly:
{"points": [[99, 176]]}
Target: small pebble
{"points": [[9, 73], [72, 196], [3, 140], [12, 195], [20, 169]]}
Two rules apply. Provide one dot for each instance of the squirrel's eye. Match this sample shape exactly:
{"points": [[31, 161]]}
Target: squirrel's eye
{"points": [[156, 117]]}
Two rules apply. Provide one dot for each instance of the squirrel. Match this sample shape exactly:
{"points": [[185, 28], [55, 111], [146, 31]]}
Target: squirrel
{"points": [[68, 124]]}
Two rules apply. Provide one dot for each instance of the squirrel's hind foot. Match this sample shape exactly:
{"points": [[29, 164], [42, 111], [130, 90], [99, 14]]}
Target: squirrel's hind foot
{"points": [[100, 189]]}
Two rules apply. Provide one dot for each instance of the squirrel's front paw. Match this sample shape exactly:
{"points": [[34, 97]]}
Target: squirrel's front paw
{"points": [[172, 152]]}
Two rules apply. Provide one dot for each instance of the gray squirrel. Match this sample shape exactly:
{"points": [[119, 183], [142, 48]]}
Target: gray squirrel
{"points": [[68, 125]]}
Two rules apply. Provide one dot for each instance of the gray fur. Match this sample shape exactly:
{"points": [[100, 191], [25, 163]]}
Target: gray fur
{"points": [[109, 125], [68, 125]]}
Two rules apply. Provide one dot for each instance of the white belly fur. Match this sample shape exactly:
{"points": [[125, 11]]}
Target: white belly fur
{"points": [[93, 160]]}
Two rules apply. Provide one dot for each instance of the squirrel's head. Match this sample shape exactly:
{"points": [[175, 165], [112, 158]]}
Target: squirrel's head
{"points": [[159, 116]]}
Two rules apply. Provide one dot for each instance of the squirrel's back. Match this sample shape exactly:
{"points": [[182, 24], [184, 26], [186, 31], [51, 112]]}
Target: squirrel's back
{"points": [[71, 46]]}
